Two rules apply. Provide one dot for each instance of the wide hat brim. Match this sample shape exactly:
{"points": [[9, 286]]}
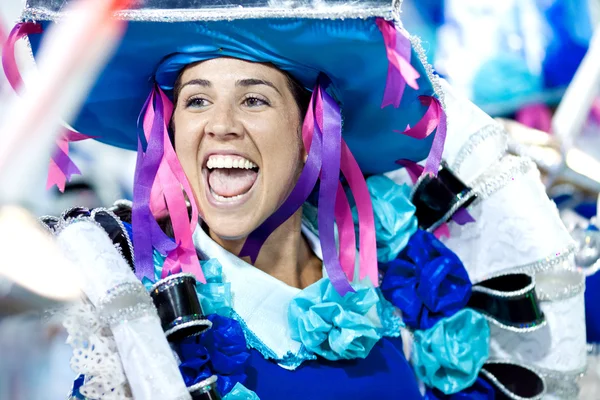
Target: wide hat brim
{"points": [[347, 46]]}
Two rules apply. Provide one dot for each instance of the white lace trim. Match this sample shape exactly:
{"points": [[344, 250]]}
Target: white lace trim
{"points": [[95, 355]]}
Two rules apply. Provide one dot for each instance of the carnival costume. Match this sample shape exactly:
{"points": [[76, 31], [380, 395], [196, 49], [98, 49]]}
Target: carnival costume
{"points": [[407, 315]]}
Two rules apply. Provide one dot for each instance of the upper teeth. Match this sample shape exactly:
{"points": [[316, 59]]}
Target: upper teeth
{"points": [[221, 161]]}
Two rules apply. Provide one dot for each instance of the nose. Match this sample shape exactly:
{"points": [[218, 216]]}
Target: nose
{"points": [[223, 123]]}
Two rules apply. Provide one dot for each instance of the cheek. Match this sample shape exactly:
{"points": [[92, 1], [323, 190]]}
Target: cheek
{"points": [[186, 145]]}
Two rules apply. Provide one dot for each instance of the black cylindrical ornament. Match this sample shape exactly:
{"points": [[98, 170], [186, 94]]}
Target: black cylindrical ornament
{"points": [[437, 198], [178, 307]]}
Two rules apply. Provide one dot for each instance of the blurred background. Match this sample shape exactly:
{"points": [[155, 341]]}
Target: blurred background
{"points": [[516, 59]]}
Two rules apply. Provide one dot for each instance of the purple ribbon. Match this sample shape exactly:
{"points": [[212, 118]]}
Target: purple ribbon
{"points": [[462, 217], [146, 231], [65, 164], [304, 186], [330, 177]]}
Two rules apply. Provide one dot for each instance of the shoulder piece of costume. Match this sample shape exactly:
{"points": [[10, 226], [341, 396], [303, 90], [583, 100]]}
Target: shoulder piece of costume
{"points": [[516, 233]]}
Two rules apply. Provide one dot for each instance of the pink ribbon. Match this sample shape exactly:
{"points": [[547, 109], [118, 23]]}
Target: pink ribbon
{"points": [[536, 116], [366, 219], [346, 234], [167, 195], [61, 167], [400, 70]]}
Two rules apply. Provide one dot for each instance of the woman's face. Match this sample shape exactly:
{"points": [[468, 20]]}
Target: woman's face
{"points": [[238, 138]]}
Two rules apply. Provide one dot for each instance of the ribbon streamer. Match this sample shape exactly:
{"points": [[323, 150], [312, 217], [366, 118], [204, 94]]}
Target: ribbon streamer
{"points": [[61, 167], [400, 71], [159, 171]]}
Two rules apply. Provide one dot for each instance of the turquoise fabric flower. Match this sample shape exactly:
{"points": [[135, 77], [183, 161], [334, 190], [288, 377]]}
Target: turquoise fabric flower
{"points": [[449, 355], [333, 326], [395, 220], [214, 295], [240, 392]]}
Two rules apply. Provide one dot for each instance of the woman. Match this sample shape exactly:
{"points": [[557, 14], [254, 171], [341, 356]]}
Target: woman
{"points": [[248, 109]]}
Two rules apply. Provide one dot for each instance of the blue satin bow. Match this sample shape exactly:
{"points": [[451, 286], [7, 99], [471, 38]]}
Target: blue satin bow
{"points": [[427, 281], [220, 351]]}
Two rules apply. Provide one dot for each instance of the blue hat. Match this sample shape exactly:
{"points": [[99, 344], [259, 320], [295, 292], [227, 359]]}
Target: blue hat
{"points": [[340, 39]]}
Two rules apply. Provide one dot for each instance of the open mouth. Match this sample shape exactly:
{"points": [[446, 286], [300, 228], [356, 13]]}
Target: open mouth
{"points": [[230, 177]]}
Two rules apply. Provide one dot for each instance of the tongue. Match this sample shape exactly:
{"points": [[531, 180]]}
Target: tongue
{"points": [[229, 182]]}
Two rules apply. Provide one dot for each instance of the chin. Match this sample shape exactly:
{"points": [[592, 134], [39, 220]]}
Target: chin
{"points": [[229, 229]]}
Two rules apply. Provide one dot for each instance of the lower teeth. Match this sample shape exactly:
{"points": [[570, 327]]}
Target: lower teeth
{"points": [[223, 198]]}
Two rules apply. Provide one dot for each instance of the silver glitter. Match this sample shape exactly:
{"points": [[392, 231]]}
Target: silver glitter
{"points": [[202, 384], [572, 283], [502, 173], [435, 83], [461, 201], [483, 134], [197, 322], [125, 302], [563, 385], [547, 263], [502, 294], [229, 14], [505, 390], [170, 281]]}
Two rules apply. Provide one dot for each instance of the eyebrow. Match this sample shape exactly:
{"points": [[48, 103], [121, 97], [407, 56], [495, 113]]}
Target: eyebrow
{"points": [[199, 82], [240, 83], [255, 82]]}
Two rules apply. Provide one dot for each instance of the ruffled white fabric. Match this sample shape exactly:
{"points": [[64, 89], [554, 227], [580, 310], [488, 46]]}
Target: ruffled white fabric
{"points": [[95, 355], [150, 367], [261, 300], [517, 228]]}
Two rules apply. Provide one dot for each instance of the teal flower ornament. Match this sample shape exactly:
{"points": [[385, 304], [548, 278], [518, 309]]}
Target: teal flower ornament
{"points": [[449, 355], [336, 327]]}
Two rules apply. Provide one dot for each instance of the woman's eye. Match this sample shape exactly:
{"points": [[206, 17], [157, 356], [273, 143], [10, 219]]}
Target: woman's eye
{"points": [[255, 102], [197, 102]]}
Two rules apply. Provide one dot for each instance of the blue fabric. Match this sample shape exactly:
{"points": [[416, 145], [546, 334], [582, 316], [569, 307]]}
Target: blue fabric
{"points": [[395, 220], [220, 351], [481, 390], [427, 281], [350, 52], [592, 308], [383, 375], [77, 384], [333, 326], [450, 355]]}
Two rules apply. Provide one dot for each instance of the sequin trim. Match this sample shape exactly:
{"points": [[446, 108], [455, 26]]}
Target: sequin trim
{"points": [[500, 174], [125, 302], [489, 131], [170, 281], [230, 14], [194, 322], [564, 385], [574, 285]]}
